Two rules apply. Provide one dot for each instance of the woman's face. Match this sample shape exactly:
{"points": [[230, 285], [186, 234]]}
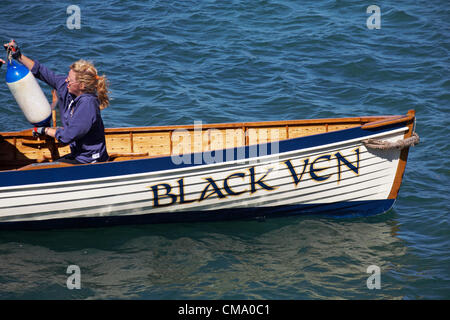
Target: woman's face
{"points": [[73, 86]]}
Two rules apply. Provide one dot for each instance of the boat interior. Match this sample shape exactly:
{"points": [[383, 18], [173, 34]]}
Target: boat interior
{"points": [[22, 151]]}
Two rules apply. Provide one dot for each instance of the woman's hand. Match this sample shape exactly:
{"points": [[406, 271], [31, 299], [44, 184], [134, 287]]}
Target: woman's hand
{"points": [[17, 54], [13, 48]]}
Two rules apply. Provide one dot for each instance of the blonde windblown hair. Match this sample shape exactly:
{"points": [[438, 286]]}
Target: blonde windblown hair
{"points": [[87, 75]]}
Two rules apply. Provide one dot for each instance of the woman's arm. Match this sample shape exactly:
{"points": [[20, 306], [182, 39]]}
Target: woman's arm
{"points": [[27, 62], [50, 131], [80, 122], [38, 70]]}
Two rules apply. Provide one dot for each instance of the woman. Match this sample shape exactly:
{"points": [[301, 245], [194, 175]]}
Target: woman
{"points": [[82, 94]]}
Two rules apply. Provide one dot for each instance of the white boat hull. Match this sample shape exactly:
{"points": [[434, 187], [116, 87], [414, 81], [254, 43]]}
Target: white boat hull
{"points": [[341, 177]]}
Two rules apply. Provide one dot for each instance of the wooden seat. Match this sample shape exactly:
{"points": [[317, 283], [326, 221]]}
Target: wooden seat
{"points": [[127, 156], [45, 165]]}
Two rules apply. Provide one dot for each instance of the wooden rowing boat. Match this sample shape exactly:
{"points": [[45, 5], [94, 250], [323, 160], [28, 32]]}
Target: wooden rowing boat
{"points": [[205, 172]]}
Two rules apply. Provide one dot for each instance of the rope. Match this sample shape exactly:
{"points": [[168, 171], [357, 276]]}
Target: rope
{"points": [[386, 145]]}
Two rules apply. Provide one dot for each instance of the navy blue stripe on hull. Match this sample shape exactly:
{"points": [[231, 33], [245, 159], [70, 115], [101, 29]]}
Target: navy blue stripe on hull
{"points": [[112, 169], [340, 209]]}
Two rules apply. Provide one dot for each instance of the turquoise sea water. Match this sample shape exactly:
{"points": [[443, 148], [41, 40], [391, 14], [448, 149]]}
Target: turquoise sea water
{"points": [[176, 62]]}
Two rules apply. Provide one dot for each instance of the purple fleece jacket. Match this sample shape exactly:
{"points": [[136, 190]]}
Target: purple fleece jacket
{"points": [[82, 123]]}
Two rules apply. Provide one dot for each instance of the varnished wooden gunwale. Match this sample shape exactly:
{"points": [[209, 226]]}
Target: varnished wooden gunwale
{"points": [[145, 142], [354, 120], [386, 122]]}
